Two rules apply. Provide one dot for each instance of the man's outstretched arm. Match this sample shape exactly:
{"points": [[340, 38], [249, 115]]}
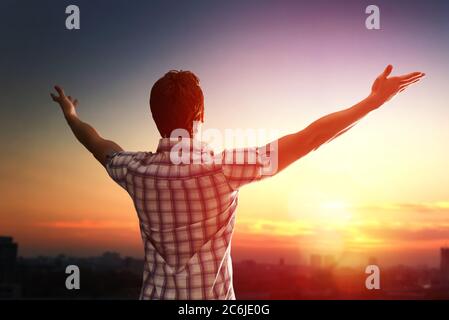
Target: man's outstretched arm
{"points": [[294, 146], [85, 134]]}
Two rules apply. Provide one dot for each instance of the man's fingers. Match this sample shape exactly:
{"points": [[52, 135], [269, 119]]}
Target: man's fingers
{"points": [[411, 80], [387, 71], [411, 76], [405, 85], [409, 83], [60, 91], [54, 97], [72, 100]]}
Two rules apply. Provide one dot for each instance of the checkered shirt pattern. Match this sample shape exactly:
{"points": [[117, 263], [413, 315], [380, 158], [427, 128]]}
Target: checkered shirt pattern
{"points": [[186, 214]]}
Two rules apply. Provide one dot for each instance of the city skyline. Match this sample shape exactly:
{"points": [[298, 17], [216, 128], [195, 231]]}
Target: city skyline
{"points": [[297, 258], [379, 190], [111, 275]]}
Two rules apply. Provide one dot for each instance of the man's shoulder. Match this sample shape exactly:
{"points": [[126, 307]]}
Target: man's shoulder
{"points": [[135, 153], [126, 157]]}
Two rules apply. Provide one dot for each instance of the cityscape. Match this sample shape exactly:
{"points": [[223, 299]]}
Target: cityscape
{"points": [[111, 276]]}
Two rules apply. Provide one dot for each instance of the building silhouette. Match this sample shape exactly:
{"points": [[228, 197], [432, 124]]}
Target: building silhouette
{"points": [[444, 264], [372, 261], [8, 263], [329, 261], [316, 261]]}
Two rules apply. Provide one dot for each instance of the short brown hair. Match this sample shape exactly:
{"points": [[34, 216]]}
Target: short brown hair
{"points": [[176, 101]]}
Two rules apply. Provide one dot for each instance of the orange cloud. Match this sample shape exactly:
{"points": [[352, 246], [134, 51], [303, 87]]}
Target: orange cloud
{"points": [[88, 224], [438, 206]]}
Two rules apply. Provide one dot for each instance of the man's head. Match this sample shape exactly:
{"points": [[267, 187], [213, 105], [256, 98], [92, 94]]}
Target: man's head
{"points": [[176, 101]]}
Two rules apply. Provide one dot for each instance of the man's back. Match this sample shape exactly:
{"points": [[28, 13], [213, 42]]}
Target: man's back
{"points": [[186, 211], [187, 215]]}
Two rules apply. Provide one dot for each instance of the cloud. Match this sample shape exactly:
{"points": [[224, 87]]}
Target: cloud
{"points": [[365, 231], [275, 227], [437, 206], [407, 233], [88, 224], [388, 231]]}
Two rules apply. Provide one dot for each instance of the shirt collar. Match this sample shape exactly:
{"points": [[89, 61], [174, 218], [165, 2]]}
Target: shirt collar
{"points": [[166, 144]]}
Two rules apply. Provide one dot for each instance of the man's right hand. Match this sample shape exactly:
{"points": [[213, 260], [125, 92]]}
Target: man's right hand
{"points": [[385, 88], [294, 146]]}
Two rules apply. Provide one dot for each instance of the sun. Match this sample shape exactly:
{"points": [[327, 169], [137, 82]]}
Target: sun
{"points": [[320, 209], [335, 212]]}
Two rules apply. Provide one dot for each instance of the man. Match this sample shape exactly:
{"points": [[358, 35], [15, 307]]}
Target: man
{"points": [[187, 209]]}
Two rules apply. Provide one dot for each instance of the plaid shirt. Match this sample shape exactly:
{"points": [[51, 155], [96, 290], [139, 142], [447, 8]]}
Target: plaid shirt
{"points": [[187, 216]]}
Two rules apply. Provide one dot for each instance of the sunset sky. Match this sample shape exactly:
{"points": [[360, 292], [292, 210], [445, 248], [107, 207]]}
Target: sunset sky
{"points": [[381, 190]]}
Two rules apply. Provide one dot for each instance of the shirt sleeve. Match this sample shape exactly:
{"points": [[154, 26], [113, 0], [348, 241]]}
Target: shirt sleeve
{"points": [[117, 166], [246, 165]]}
